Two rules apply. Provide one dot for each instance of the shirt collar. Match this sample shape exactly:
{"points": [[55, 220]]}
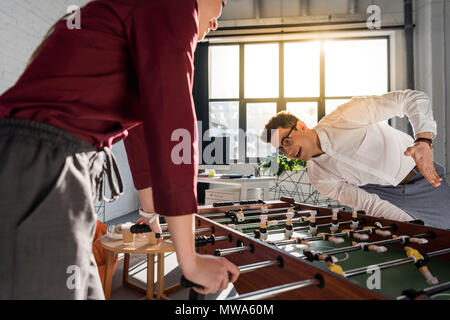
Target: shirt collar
{"points": [[323, 138]]}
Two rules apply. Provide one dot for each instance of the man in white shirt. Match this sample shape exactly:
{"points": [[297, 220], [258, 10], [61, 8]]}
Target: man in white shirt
{"points": [[353, 156]]}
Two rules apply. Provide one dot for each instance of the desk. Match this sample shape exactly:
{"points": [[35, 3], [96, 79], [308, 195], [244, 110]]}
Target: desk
{"points": [[140, 246], [243, 183]]}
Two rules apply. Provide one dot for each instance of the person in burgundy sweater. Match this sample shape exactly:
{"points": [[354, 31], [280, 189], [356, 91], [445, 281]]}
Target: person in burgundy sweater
{"points": [[128, 70]]}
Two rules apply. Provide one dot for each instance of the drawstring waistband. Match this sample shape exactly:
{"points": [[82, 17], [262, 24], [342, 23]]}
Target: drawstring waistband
{"points": [[111, 169], [38, 131]]}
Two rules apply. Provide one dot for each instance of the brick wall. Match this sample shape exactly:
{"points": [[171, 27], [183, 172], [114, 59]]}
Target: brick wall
{"points": [[23, 24]]}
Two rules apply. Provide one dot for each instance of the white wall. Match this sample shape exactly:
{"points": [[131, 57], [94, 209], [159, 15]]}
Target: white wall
{"points": [[129, 201], [23, 24]]}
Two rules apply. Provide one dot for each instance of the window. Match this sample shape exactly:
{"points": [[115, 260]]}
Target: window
{"points": [[250, 82], [261, 70]]}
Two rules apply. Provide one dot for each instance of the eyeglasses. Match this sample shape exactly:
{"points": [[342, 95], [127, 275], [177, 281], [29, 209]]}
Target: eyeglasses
{"points": [[286, 141]]}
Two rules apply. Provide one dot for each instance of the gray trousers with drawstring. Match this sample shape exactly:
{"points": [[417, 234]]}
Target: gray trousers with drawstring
{"points": [[419, 198], [48, 183]]}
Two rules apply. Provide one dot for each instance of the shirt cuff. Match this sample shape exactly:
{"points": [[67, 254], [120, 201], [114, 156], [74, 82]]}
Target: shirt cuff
{"points": [[175, 203], [142, 180], [421, 124]]}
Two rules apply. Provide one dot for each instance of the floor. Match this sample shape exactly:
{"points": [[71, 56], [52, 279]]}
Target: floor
{"points": [[138, 273]]}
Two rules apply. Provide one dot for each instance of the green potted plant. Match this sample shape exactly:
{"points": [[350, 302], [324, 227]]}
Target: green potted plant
{"points": [[278, 163]]}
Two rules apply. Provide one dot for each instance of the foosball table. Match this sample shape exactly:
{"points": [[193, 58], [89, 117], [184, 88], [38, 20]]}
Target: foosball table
{"points": [[287, 250]]}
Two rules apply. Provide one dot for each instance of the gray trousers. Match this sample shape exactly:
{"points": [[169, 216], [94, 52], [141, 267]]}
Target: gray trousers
{"points": [[48, 183], [419, 198]]}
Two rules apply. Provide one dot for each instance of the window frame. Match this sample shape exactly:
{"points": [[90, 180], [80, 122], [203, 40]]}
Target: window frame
{"points": [[281, 101]]}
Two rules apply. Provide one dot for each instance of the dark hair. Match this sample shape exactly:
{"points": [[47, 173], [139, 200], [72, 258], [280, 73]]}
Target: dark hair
{"points": [[46, 37], [282, 119]]}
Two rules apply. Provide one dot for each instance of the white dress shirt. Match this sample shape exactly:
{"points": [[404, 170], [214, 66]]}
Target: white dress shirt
{"points": [[361, 149]]}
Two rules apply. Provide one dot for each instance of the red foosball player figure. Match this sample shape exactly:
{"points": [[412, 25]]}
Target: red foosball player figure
{"points": [[421, 264], [263, 226], [288, 230]]}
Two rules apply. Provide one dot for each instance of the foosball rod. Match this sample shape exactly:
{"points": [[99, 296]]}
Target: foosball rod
{"points": [[274, 215], [243, 269], [228, 251], [411, 294], [253, 212], [393, 263], [302, 228], [322, 237], [399, 239], [315, 238], [274, 291], [275, 222]]}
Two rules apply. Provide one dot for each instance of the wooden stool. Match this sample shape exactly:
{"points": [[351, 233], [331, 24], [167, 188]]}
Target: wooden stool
{"points": [[140, 246]]}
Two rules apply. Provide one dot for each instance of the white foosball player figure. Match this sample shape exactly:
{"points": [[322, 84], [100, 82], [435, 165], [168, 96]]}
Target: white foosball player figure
{"points": [[355, 221], [264, 209], [263, 226], [312, 223], [369, 247], [240, 216], [289, 230], [334, 220]]}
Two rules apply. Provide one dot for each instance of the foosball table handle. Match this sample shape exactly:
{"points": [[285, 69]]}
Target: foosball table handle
{"points": [[193, 295], [185, 283]]}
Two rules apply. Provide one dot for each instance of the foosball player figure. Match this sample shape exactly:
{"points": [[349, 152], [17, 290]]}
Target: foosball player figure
{"points": [[352, 234], [264, 209], [240, 216], [329, 237], [421, 264], [378, 231], [334, 267], [407, 239], [263, 227], [312, 224], [370, 247], [288, 229], [314, 256], [355, 221], [334, 220], [291, 209]]}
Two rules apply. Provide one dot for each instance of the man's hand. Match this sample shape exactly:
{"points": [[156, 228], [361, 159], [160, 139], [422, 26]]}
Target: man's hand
{"points": [[154, 225], [421, 153], [211, 273]]}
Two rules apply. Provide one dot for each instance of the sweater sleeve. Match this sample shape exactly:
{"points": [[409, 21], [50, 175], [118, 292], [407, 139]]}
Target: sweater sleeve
{"points": [[138, 158], [162, 40]]}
